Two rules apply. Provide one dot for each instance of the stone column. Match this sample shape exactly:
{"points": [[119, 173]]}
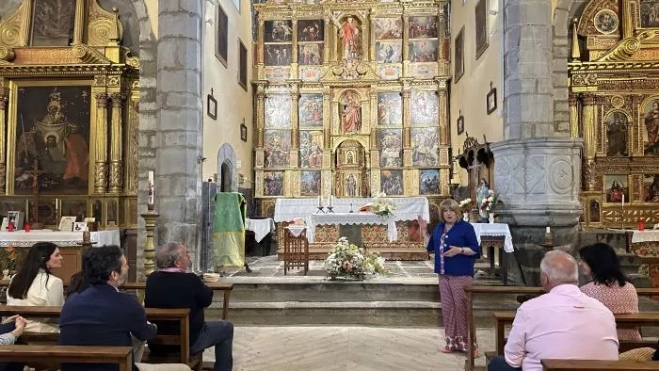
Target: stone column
{"points": [[537, 169], [178, 156], [3, 144], [116, 149], [101, 150]]}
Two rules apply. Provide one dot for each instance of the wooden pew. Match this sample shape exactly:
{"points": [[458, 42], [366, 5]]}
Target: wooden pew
{"points": [[583, 365], [122, 356], [510, 290], [152, 314], [225, 287], [639, 319]]}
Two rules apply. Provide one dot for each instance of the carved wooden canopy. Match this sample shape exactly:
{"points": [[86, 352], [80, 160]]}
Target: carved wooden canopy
{"points": [[474, 153]]}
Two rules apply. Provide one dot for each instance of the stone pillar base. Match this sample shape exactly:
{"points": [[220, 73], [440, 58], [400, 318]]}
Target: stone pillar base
{"points": [[538, 181]]}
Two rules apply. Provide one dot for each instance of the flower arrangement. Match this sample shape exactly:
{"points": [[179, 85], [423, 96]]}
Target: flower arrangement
{"points": [[489, 203], [465, 205], [381, 206], [346, 260]]}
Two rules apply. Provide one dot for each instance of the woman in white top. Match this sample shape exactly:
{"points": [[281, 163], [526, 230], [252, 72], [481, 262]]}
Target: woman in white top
{"points": [[35, 286]]}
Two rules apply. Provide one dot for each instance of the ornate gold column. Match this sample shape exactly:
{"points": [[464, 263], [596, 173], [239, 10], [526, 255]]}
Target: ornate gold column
{"points": [[101, 165], [116, 150], [327, 120], [326, 40], [3, 144], [407, 115], [294, 42], [442, 58], [573, 100], [406, 37], [627, 16], [260, 118], [79, 27], [295, 126], [589, 126], [444, 132]]}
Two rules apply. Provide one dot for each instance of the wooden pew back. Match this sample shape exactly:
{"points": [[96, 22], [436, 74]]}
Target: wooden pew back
{"points": [[583, 365], [122, 356]]}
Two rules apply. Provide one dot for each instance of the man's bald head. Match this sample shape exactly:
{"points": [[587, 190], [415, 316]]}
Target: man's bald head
{"points": [[558, 268]]}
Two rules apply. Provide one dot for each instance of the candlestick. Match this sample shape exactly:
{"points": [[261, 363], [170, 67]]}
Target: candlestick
{"points": [[548, 230]]}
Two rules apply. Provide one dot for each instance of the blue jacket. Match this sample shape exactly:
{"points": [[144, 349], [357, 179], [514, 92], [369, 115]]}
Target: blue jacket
{"points": [[101, 315], [461, 235]]}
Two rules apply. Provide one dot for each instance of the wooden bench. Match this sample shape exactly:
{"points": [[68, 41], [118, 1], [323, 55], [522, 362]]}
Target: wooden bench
{"points": [[509, 290], [181, 340], [639, 319], [122, 356], [583, 365], [225, 287]]}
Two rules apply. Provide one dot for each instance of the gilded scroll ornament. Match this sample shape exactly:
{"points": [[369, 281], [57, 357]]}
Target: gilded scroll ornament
{"points": [[589, 79], [623, 51], [10, 27], [6, 54], [88, 55], [104, 27]]}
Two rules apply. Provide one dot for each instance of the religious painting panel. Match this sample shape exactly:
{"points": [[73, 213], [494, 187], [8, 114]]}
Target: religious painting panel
{"points": [[606, 21], [388, 28], [482, 42], [112, 212], [651, 126], [391, 182], [391, 147], [310, 73], [349, 39], [310, 30], [423, 51], [594, 211], [423, 27], [424, 71], [310, 54], [649, 13], [51, 133], [458, 56], [278, 54], [278, 111], [651, 188], [53, 22], [278, 31], [222, 36], [351, 113], [390, 109], [616, 125], [277, 73], [74, 207], [311, 149], [97, 211], [389, 51], [310, 183], [389, 72], [616, 188], [277, 145], [429, 182], [425, 146], [310, 111], [352, 185], [273, 183], [424, 105]]}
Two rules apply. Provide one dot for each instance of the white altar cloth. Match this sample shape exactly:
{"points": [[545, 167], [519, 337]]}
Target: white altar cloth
{"points": [[495, 230], [407, 208], [260, 227], [350, 218], [646, 236], [27, 239]]}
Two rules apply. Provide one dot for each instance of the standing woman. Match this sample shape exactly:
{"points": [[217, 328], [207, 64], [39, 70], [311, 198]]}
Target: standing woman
{"points": [[34, 285], [456, 249]]}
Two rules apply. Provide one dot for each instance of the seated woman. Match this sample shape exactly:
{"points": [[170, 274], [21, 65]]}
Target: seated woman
{"points": [[77, 284], [609, 284], [35, 286]]}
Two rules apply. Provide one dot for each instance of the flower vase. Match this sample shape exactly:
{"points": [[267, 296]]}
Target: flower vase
{"points": [[490, 218]]}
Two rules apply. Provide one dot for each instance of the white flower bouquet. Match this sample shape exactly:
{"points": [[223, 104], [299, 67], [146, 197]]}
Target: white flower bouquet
{"points": [[346, 260], [465, 205], [489, 203], [381, 206]]}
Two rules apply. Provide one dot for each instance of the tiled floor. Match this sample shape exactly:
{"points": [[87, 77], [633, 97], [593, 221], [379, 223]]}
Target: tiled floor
{"points": [[346, 348]]}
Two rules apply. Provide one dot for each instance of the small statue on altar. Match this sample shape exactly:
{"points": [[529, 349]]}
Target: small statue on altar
{"points": [[481, 193]]}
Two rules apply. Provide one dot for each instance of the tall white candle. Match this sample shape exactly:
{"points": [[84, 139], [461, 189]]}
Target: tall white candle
{"points": [[330, 200], [152, 189], [548, 230], [320, 200], [623, 200], [151, 177]]}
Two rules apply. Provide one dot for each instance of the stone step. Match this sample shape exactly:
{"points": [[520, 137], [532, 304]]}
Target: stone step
{"points": [[373, 313]]}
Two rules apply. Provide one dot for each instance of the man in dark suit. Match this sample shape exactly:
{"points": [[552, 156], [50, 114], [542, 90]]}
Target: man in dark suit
{"points": [[101, 315], [173, 287]]}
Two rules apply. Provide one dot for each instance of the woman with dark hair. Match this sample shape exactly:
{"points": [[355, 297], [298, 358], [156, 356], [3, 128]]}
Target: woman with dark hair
{"points": [[609, 284], [77, 284], [35, 285]]}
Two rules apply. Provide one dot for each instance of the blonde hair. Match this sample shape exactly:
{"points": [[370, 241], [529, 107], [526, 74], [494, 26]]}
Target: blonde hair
{"points": [[449, 204]]}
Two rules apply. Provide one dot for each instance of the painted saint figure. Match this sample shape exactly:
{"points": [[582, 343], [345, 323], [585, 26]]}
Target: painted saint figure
{"points": [[77, 155], [652, 124], [351, 186], [348, 33], [351, 114]]}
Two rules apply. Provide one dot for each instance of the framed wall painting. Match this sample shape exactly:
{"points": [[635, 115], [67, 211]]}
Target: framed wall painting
{"points": [[482, 39], [491, 99], [243, 132], [222, 36], [459, 55], [242, 65], [211, 106], [461, 124]]}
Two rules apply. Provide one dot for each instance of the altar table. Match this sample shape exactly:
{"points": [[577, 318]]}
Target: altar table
{"points": [[407, 208], [351, 218], [495, 235], [495, 230], [260, 227]]}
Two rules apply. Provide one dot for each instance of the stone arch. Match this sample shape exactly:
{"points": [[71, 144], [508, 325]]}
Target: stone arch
{"points": [[227, 156]]}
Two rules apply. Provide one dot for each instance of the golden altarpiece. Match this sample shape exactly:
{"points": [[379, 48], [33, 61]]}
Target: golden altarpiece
{"points": [[614, 107], [351, 100], [68, 115]]}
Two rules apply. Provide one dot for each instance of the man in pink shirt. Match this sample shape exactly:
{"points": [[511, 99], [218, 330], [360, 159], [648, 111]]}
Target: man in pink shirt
{"points": [[562, 324]]}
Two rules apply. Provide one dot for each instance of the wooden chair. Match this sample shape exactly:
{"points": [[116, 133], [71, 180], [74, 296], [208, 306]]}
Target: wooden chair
{"points": [[296, 251], [122, 356]]}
